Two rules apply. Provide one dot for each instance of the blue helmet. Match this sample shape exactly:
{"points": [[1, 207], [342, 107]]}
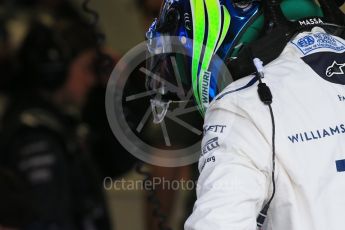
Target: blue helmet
{"points": [[211, 30]]}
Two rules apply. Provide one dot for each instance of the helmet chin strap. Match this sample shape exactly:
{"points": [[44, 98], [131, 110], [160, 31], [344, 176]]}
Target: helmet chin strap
{"points": [[160, 107]]}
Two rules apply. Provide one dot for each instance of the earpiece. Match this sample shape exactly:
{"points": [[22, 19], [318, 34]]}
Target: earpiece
{"points": [[264, 91]]}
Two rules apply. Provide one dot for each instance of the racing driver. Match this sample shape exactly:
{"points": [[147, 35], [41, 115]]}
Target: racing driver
{"points": [[273, 152]]}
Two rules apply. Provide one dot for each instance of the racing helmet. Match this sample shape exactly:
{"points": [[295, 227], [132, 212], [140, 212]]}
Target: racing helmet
{"points": [[209, 31]]}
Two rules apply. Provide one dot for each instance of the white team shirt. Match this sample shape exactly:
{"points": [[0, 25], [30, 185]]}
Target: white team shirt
{"points": [[307, 82]]}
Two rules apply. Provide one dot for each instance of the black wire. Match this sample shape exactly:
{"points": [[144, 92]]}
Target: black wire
{"points": [[273, 154], [263, 213], [273, 145], [265, 96], [152, 198]]}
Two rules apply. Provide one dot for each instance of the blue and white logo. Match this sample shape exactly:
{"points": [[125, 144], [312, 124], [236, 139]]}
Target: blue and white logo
{"points": [[306, 41], [314, 42]]}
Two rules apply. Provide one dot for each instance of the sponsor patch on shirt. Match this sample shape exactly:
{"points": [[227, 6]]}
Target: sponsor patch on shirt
{"points": [[314, 42], [208, 160], [313, 135], [210, 145], [214, 128], [328, 65]]}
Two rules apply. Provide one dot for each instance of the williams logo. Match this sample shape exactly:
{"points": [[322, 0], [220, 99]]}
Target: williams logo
{"points": [[310, 21], [210, 145], [335, 69], [317, 134]]}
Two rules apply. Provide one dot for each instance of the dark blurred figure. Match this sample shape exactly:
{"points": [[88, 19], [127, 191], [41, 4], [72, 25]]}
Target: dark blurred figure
{"points": [[43, 139], [15, 207]]}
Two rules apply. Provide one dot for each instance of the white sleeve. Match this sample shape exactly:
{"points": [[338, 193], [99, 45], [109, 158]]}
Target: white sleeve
{"points": [[234, 172]]}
